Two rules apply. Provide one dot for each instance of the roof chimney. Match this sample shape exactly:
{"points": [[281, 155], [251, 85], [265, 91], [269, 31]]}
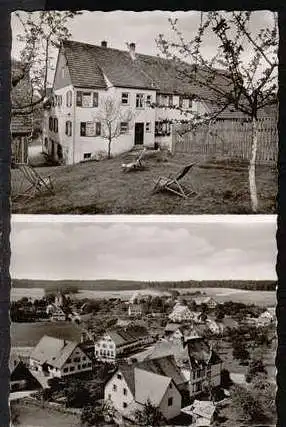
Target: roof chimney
{"points": [[104, 43], [132, 47]]}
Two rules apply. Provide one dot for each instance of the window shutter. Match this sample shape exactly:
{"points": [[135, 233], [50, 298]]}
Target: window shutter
{"points": [[79, 98], [67, 128], [82, 128], [98, 128], [95, 99]]}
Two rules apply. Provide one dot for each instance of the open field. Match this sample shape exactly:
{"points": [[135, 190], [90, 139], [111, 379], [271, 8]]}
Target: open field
{"points": [[264, 298], [35, 416], [102, 188], [129, 285], [28, 334]]}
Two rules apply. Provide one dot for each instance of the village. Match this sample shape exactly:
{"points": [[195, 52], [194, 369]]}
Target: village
{"points": [[167, 359]]}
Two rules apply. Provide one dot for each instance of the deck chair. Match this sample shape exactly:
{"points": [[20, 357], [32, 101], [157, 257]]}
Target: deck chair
{"points": [[171, 183], [36, 183], [138, 164]]}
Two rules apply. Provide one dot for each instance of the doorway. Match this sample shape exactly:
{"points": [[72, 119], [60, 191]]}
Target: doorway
{"points": [[139, 133]]}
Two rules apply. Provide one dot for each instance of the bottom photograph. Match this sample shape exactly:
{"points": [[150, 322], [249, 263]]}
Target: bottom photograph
{"points": [[144, 322]]}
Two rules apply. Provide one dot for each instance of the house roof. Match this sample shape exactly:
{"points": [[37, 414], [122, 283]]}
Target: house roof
{"points": [[175, 349], [88, 64], [149, 385], [163, 366], [121, 336], [172, 327], [53, 351], [201, 353]]}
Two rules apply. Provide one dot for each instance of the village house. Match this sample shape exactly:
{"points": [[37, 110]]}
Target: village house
{"points": [[177, 331], [158, 381], [135, 310], [208, 301], [148, 95], [198, 362], [181, 313], [120, 342], [56, 357], [21, 378]]}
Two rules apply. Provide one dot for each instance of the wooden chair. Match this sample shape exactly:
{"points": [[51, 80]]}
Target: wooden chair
{"points": [[36, 183], [171, 183], [138, 164]]}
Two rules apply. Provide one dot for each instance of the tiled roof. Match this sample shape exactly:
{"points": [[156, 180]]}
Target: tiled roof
{"points": [[88, 63], [122, 336], [53, 351], [163, 366], [149, 385], [200, 353]]}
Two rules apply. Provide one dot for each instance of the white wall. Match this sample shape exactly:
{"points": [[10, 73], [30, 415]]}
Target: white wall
{"points": [[105, 344], [175, 409], [118, 397], [124, 142]]}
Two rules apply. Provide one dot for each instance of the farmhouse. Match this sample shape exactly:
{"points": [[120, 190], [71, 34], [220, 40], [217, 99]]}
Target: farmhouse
{"points": [[55, 357], [144, 94], [21, 377], [120, 342], [131, 386]]}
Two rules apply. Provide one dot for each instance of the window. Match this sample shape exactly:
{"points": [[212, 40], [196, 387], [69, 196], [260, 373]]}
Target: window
{"points": [[123, 127], [190, 103], [170, 100], [104, 345], [124, 405], [66, 369], [78, 366], [125, 392], [180, 101], [84, 358], [86, 99], [69, 360], [139, 100], [51, 123], [170, 401], [119, 376], [84, 366], [68, 128], [59, 100], [148, 127], [109, 397], [89, 365], [76, 359], [69, 98], [90, 129], [55, 125], [114, 388], [71, 368], [162, 128], [125, 98], [96, 351], [148, 100]]}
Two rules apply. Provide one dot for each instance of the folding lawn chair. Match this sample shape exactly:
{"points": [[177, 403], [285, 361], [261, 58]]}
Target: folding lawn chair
{"points": [[36, 183], [172, 184], [138, 164]]}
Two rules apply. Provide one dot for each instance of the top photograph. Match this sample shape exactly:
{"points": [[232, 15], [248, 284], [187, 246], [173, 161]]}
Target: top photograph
{"points": [[144, 112]]}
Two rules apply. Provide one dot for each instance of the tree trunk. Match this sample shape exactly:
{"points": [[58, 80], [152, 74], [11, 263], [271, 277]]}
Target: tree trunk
{"points": [[109, 148], [251, 171]]}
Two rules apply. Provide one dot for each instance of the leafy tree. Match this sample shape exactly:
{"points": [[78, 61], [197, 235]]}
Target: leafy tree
{"points": [[248, 86], [240, 351], [150, 415], [41, 34], [255, 367]]}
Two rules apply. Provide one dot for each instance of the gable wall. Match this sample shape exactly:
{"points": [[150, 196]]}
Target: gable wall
{"points": [[117, 396], [62, 78]]}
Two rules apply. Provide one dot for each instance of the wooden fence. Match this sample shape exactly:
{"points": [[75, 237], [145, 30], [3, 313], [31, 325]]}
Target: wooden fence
{"points": [[229, 140]]}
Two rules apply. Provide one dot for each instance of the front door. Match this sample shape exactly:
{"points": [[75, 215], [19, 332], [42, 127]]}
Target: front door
{"points": [[139, 133]]}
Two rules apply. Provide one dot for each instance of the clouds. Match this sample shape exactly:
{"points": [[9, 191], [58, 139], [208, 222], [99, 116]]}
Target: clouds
{"points": [[143, 251]]}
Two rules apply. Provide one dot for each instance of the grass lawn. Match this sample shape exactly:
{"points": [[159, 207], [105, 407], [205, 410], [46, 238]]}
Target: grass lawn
{"points": [[102, 188], [34, 416]]}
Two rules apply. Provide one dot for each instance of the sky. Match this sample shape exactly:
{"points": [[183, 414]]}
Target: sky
{"points": [[156, 251], [142, 28]]}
